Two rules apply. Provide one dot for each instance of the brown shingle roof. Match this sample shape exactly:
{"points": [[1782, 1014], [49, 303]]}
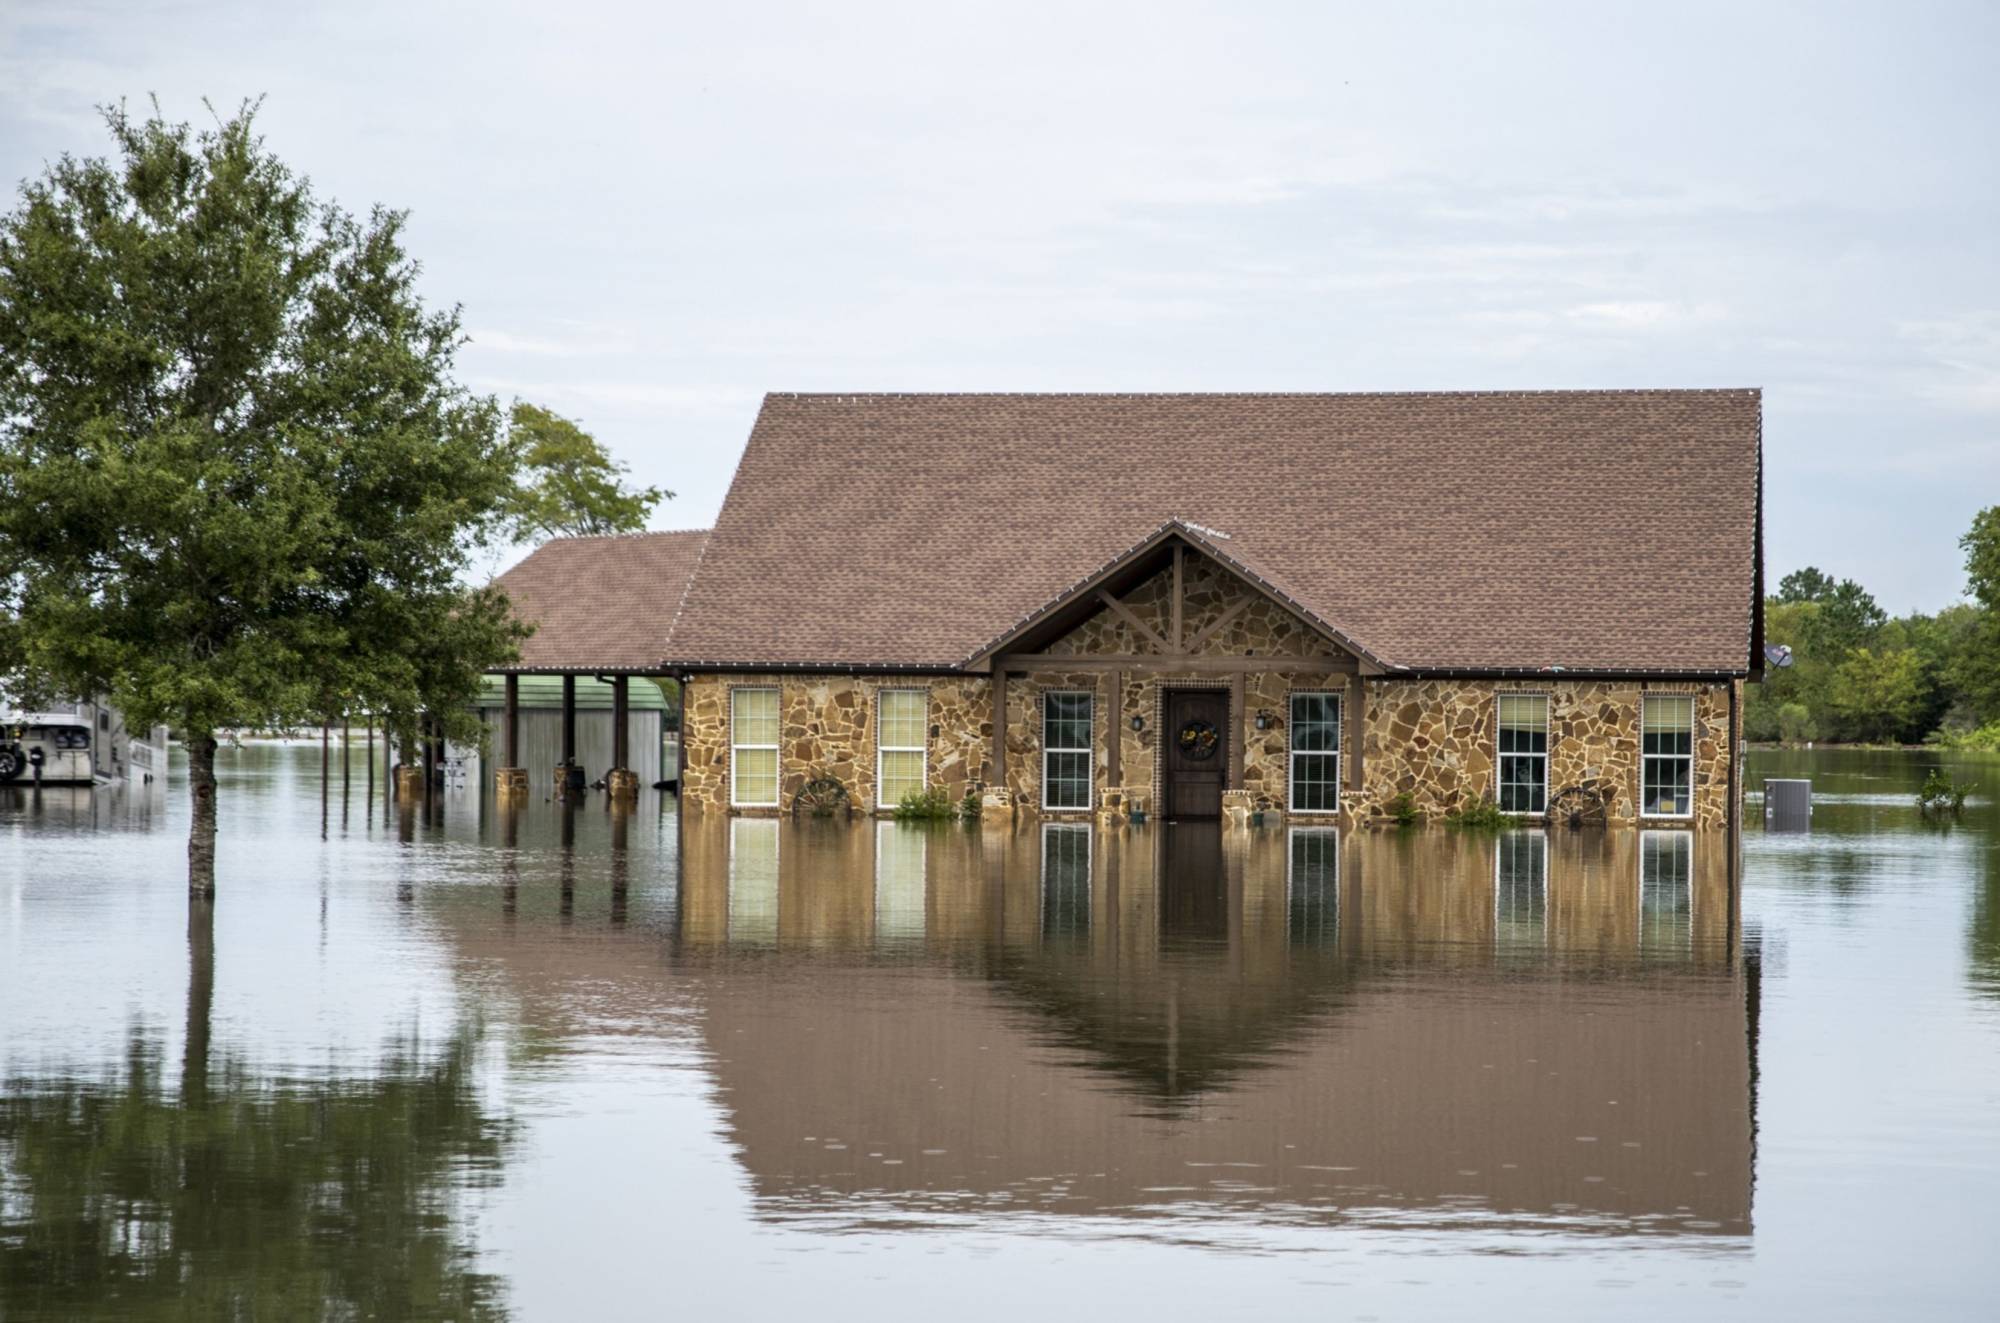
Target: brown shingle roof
{"points": [[1589, 530], [601, 603]]}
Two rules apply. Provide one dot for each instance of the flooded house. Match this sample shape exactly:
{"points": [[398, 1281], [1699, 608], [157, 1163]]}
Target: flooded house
{"points": [[1318, 608]]}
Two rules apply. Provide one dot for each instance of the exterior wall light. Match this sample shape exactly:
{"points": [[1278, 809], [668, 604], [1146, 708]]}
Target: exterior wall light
{"points": [[1138, 723], [1265, 720]]}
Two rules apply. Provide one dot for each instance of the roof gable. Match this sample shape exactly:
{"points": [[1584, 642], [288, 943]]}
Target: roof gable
{"points": [[1584, 530], [1141, 562]]}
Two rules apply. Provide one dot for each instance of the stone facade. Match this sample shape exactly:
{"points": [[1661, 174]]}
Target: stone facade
{"points": [[827, 729], [1433, 740]]}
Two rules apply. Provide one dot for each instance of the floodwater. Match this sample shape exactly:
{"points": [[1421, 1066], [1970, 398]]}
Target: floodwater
{"points": [[563, 1065]]}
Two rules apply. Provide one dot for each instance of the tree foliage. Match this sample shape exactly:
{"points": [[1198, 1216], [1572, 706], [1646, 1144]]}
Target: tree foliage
{"points": [[1857, 675], [570, 486], [238, 485]]}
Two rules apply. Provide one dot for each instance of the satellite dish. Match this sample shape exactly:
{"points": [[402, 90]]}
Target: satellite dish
{"points": [[1778, 654]]}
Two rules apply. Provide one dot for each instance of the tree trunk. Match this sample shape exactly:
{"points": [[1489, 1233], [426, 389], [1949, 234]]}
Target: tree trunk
{"points": [[201, 829]]}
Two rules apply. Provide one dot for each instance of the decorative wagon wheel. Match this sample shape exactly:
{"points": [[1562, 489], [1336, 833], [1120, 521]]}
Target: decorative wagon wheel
{"points": [[1577, 807], [822, 797]]}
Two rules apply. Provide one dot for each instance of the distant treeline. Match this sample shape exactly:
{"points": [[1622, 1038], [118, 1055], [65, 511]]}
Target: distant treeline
{"points": [[1859, 676]]}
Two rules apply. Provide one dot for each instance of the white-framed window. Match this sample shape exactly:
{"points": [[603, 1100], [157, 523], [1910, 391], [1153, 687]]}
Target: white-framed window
{"points": [[753, 748], [1520, 893], [1666, 761], [1315, 753], [1523, 745], [1312, 886], [901, 718], [1666, 892], [1066, 850], [1066, 749]]}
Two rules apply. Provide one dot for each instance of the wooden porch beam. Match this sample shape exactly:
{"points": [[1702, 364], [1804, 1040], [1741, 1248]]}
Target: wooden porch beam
{"points": [[997, 778], [1217, 625], [1114, 730], [1125, 613], [1150, 665]]}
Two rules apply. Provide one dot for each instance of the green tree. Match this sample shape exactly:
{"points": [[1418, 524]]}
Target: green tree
{"points": [[1977, 668], [238, 486], [1880, 695], [569, 484], [1810, 584]]}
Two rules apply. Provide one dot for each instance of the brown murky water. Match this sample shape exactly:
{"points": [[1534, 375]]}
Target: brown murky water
{"points": [[564, 1064]]}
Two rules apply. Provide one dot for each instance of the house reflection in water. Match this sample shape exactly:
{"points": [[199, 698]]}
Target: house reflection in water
{"points": [[1543, 1031]]}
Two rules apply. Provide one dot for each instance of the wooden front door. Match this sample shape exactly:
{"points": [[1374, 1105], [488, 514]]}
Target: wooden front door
{"points": [[1196, 758]]}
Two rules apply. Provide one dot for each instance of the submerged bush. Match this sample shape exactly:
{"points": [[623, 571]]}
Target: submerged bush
{"points": [[1942, 793], [1404, 810], [1481, 814], [926, 806]]}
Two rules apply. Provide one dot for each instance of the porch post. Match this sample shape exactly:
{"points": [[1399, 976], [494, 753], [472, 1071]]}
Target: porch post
{"points": [[1355, 719], [1115, 728], [997, 780], [513, 720], [569, 720], [618, 721], [621, 781]]}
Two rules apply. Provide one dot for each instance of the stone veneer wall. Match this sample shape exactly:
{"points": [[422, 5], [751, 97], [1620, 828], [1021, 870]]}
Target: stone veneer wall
{"points": [[827, 728], [1434, 740]]}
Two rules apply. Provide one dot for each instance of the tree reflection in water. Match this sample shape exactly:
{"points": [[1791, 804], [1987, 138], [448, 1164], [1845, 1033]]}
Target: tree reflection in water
{"points": [[228, 1194]]}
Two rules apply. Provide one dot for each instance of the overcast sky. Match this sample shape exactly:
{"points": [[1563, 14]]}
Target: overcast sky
{"points": [[654, 213]]}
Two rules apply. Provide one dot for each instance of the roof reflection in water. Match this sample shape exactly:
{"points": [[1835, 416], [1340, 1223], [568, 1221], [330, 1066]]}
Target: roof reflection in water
{"points": [[915, 1023]]}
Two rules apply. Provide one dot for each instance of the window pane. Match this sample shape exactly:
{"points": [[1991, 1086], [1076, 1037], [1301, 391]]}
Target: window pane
{"points": [[1668, 786], [1315, 782], [1315, 725], [1523, 783], [1524, 723], [753, 716], [1067, 783], [903, 718], [1669, 713], [756, 776], [1066, 721], [902, 774]]}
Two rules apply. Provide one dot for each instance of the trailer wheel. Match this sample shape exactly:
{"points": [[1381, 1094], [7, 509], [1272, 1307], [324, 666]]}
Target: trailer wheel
{"points": [[11, 762]]}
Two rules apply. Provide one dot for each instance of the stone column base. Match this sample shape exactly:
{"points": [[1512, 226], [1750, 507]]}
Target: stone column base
{"points": [[1122, 804], [1236, 807], [409, 782], [997, 806], [623, 783], [510, 780], [562, 778]]}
